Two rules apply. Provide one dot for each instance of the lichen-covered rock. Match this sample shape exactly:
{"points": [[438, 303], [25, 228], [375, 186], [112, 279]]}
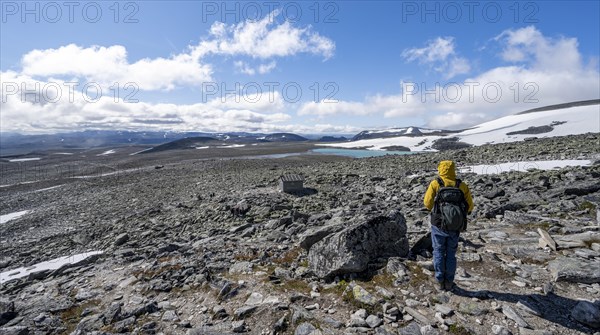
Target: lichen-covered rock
{"points": [[366, 239], [363, 296], [574, 270]]}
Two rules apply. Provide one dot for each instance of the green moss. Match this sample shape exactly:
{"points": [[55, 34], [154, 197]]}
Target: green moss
{"points": [[586, 205], [589, 207], [417, 276], [339, 288], [71, 317], [384, 280], [459, 330]]}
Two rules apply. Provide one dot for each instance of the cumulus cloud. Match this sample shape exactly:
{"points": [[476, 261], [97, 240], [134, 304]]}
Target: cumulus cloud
{"points": [[441, 56], [50, 108], [107, 65], [530, 46], [386, 105], [52, 69], [539, 71], [265, 39]]}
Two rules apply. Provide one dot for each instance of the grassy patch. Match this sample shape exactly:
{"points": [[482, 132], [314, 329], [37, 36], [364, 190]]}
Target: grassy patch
{"points": [[384, 280], [72, 316], [589, 207], [153, 273], [417, 276], [245, 256], [288, 257], [458, 330], [293, 285], [338, 289], [586, 205]]}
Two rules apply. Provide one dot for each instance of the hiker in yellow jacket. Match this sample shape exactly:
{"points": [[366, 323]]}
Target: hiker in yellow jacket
{"points": [[445, 241]]}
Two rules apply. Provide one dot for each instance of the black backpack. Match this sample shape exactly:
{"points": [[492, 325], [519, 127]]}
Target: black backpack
{"points": [[451, 207]]}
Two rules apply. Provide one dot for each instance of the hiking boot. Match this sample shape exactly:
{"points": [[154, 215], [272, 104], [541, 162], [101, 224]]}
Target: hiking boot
{"points": [[449, 286], [441, 286]]}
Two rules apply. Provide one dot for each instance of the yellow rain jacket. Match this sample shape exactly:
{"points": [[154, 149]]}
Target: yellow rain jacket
{"points": [[446, 171]]}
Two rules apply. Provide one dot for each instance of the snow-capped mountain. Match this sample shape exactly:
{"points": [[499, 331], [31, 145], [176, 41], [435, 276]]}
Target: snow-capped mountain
{"points": [[565, 119], [394, 132]]}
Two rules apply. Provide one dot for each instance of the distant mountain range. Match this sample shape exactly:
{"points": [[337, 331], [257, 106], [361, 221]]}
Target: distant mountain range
{"points": [[18, 144], [547, 121]]}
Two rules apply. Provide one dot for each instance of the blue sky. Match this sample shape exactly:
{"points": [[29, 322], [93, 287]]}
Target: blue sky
{"points": [[322, 67]]}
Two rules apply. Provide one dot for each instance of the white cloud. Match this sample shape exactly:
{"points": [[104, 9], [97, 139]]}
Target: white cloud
{"points": [[245, 68], [107, 65], [440, 54], [42, 113], [329, 128], [455, 119], [549, 72], [436, 50], [530, 46], [386, 105], [265, 39], [266, 68], [262, 41]]}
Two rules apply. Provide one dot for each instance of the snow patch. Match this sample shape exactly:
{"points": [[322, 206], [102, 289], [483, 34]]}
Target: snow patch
{"points": [[21, 183], [108, 152], [202, 147], [48, 188], [523, 166], [234, 145], [12, 216], [24, 159], [47, 265]]}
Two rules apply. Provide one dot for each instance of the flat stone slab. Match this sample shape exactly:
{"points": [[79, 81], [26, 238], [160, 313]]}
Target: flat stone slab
{"points": [[575, 270]]}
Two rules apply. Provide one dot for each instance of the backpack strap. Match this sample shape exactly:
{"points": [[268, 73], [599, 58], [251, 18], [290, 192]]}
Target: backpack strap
{"points": [[440, 181], [458, 181]]}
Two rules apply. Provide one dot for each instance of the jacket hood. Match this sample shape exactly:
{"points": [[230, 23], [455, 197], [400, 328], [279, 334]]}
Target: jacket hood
{"points": [[447, 170]]}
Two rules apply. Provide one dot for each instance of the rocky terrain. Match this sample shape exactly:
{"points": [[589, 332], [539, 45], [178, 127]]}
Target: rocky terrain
{"points": [[209, 246]]}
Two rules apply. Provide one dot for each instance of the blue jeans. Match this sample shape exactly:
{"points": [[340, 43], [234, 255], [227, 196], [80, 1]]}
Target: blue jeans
{"points": [[445, 244]]}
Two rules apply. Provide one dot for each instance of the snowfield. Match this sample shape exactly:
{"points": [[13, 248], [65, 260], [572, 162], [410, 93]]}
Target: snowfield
{"points": [[523, 166], [577, 120]]}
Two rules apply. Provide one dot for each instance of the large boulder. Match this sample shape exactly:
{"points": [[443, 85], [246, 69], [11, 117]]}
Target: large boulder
{"points": [[314, 235], [352, 249]]}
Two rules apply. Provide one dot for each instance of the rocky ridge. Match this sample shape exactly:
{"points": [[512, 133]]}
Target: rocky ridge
{"points": [[211, 247]]}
